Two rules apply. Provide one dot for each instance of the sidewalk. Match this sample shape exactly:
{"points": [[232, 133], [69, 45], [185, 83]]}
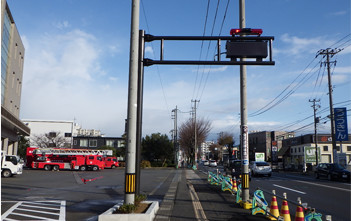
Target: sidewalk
{"points": [[191, 197]]}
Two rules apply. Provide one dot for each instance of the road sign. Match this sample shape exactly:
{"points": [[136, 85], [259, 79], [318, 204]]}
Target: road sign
{"points": [[341, 131]]}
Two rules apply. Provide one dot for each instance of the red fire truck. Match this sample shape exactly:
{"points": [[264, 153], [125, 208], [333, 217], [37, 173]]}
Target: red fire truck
{"points": [[111, 162], [74, 159]]}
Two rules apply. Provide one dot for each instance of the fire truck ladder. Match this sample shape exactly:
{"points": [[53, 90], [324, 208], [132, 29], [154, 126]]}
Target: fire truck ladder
{"points": [[56, 151]]}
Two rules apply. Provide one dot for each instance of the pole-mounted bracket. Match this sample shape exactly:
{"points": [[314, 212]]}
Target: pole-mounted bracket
{"points": [[256, 48]]}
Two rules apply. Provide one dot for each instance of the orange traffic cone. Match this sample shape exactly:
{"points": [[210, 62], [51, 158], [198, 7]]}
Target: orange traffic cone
{"points": [[274, 210], [284, 211], [234, 187], [299, 215]]}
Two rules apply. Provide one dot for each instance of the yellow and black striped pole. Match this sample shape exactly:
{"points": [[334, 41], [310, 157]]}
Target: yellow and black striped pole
{"points": [[245, 180], [130, 183]]}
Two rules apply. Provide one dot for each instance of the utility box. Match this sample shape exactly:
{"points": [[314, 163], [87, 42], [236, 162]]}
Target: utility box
{"points": [[247, 49]]}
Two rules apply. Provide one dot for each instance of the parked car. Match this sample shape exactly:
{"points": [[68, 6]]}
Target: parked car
{"points": [[213, 163], [332, 171], [234, 168], [260, 168], [206, 163]]}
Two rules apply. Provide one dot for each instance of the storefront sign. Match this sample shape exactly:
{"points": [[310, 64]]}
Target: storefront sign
{"points": [[310, 154], [341, 131]]}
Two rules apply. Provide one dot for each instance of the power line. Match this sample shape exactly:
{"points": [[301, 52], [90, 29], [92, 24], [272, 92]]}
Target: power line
{"points": [[202, 44], [153, 51], [273, 103]]}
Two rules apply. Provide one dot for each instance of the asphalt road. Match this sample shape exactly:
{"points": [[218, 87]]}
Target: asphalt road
{"points": [[75, 195], [64, 194], [327, 197]]}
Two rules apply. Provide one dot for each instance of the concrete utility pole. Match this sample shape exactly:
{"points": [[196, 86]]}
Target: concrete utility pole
{"points": [[243, 113], [316, 120], [329, 53], [195, 136], [175, 136], [129, 196]]}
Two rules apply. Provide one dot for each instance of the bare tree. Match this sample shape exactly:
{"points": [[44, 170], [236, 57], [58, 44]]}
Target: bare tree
{"points": [[226, 139], [52, 139], [187, 135]]}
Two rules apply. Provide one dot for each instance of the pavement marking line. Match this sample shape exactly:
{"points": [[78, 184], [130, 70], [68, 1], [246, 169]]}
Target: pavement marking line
{"points": [[31, 216], [30, 210], [9, 211], [21, 207], [283, 187], [316, 184], [63, 211]]}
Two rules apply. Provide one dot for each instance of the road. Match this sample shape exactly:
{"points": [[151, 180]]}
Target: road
{"points": [[76, 195], [63, 195], [327, 197]]}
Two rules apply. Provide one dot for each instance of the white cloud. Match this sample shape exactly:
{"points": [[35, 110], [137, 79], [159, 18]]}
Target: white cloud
{"points": [[299, 46], [62, 24], [149, 49], [211, 69], [63, 79]]}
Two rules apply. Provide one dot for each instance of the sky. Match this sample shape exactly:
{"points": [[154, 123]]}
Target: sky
{"points": [[77, 63]]}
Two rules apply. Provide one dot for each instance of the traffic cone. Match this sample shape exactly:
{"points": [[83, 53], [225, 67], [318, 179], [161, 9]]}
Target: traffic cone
{"points": [[299, 215], [274, 210], [234, 187], [284, 211]]}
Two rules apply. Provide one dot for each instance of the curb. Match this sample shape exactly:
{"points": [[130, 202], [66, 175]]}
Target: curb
{"points": [[149, 215]]}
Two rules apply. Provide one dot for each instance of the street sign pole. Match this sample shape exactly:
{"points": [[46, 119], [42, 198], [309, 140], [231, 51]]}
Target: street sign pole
{"points": [[243, 113]]}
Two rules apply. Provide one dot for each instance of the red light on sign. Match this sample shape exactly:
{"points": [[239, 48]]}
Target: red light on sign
{"points": [[246, 31]]}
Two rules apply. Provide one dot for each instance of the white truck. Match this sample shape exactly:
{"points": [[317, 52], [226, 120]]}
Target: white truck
{"points": [[10, 165]]}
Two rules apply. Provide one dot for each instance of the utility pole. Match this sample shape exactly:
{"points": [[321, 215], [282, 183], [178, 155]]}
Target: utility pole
{"points": [[195, 136], [329, 53], [316, 120], [175, 136], [129, 188], [243, 112]]}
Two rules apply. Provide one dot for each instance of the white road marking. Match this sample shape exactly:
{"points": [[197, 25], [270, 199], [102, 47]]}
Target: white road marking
{"points": [[316, 184], [283, 187], [25, 209]]}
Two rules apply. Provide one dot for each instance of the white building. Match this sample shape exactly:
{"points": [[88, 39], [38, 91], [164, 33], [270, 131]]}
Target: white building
{"points": [[64, 129]]}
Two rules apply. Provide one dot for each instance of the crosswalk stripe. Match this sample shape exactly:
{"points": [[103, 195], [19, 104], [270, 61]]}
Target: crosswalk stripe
{"points": [[42, 209]]}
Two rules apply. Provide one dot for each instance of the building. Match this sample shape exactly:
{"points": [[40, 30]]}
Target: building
{"points": [[205, 149], [12, 60], [261, 142], [90, 142], [295, 151], [59, 133]]}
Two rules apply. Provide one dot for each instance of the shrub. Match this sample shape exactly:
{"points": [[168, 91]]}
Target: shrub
{"points": [[139, 198], [127, 208], [145, 163]]}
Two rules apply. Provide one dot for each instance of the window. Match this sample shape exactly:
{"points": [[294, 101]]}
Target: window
{"points": [[52, 134], [337, 148], [110, 143], [68, 134], [348, 148], [74, 142], [92, 143], [84, 143], [325, 148]]}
